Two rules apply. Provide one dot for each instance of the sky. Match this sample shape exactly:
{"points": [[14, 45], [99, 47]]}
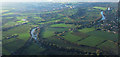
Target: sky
{"points": [[59, 0]]}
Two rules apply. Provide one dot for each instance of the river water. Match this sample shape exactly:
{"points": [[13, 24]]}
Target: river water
{"points": [[103, 17], [33, 34]]}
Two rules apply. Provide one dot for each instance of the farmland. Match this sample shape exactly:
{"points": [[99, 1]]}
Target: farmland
{"points": [[59, 29], [101, 8]]}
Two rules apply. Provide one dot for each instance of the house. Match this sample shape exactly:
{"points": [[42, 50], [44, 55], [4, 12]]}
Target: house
{"points": [[109, 8]]}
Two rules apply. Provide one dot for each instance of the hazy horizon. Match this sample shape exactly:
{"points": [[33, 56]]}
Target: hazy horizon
{"points": [[59, 1]]}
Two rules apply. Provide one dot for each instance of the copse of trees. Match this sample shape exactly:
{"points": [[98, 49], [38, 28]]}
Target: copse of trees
{"points": [[79, 13]]}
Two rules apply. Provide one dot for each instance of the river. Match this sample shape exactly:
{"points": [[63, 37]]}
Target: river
{"points": [[33, 34], [103, 17]]}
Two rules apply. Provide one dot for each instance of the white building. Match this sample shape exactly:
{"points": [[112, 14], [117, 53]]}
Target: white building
{"points": [[109, 8]]}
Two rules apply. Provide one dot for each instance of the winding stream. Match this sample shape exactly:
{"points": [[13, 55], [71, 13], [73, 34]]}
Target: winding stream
{"points": [[103, 17], [33, 34]]}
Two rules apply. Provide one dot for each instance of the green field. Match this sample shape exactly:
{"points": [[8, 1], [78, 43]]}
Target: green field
{"points": [[90, 17], [9, 24], [23, 36], [8, 14], [4, 11], [21, 21], [55, 41], [61, 25], [91, 41], [8, 17], [4, 51], [86, 30], [58, 29], [104, 35], [72, 38], [80, 34], [39, 19], [21, 17], [102, 8], [49, 22], [33, 49], [61, 43], [48, 33], [109, 46], [14, 45]]}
